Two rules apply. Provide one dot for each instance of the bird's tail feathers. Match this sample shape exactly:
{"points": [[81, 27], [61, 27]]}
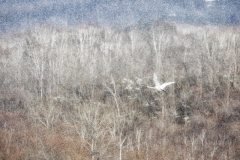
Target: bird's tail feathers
{"points": [[150, 87]]}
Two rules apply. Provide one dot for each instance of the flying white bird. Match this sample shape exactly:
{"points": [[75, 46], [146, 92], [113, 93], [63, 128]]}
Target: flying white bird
{"points": [[157, 84]]}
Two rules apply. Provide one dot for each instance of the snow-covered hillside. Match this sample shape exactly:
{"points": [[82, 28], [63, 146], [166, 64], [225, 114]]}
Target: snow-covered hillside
{"points": [[17, 14]]}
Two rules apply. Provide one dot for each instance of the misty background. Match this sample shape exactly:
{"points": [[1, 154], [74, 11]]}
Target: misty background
{"points": [[22, 14]]}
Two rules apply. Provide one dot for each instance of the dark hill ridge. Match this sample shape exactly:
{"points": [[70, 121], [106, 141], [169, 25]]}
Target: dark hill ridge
{"points": [[18, 14]]}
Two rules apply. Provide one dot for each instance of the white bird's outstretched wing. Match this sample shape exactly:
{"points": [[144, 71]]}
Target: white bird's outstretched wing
{"points": [[155, 79], [158, 86], [165, 85]]}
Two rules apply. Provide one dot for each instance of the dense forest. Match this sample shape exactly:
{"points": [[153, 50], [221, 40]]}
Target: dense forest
{"points": [[81, 92]]}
